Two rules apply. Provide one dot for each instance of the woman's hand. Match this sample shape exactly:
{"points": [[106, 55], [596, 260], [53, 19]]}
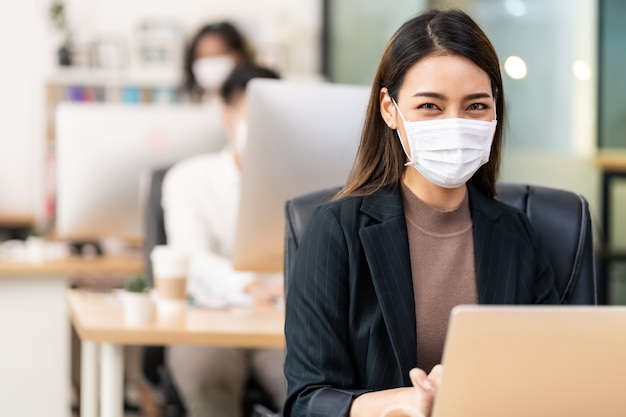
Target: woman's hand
{"points": [[425, 387], [265, 292], [410, 401]]}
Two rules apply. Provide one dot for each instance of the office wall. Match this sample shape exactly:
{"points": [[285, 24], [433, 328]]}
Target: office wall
{"points": [[28, 46], [357, 32], [612, 81], [24, 60]]}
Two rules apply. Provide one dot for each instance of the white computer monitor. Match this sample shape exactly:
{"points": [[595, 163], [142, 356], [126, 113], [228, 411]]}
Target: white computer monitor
{"points": [[104, 153], [303, 136]]}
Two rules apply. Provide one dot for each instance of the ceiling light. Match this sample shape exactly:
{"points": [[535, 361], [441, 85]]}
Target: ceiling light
{"points": [[581, 70], [515, 67], [515, 8]]}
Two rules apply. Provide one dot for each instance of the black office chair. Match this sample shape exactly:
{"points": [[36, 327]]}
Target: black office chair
{"points": [[560, 217], [153, 358], [154, 369]]}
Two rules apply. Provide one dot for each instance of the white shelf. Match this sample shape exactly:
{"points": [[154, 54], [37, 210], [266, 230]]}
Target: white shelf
{"points": [[116, 77]]}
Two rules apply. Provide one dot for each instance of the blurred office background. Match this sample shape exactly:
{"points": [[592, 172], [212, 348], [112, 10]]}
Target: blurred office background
{"points": [[562, 63]]}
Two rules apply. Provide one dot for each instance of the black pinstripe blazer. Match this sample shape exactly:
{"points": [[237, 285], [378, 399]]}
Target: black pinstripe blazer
{"points": [[350, 313]]}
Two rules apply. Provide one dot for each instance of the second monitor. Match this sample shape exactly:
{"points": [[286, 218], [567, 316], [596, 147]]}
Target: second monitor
{"points": [[104, 150], [303, 136]]}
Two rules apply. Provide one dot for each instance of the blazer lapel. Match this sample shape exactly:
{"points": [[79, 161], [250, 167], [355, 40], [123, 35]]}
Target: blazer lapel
{"points": [[493, 247], [387, 251]]}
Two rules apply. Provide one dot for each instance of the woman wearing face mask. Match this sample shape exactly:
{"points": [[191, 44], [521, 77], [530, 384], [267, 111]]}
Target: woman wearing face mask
{"points": [[415, 231], [211, 56], [200, 200]]}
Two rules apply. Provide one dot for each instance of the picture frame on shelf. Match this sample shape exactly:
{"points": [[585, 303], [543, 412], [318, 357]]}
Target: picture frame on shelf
{"points": [[108, 52], [159, 45]]}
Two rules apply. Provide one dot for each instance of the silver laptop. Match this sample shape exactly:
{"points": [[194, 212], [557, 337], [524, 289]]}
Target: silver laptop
{"points": [[532, 361]]}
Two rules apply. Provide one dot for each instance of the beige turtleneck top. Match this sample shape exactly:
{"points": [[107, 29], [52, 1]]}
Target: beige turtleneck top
{"points": [[441, 247]]}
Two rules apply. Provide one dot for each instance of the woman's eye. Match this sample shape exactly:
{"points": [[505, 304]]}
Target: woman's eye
{"points": [[428, 106], [477, 106]]}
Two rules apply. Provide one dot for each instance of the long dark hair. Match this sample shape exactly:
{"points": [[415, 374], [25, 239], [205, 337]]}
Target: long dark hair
{"points": [[231, 37], [380, 158]]}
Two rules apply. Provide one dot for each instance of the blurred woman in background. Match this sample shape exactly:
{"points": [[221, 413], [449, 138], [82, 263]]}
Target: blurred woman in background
{"points": [[200, 203], [210, 57]]}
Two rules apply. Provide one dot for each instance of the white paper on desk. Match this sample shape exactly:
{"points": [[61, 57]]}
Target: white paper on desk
{"points": [[225, 301], [33, 250]]}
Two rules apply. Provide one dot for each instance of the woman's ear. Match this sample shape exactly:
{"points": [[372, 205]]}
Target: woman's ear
{"points": [[387, 108]]}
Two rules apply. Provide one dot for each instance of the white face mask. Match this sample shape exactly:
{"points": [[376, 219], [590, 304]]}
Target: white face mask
{"points": [[447, 152], [210, 73]]}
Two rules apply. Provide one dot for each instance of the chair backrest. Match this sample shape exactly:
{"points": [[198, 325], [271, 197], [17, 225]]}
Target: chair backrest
{"points": [[560, 218], [154, 226]]}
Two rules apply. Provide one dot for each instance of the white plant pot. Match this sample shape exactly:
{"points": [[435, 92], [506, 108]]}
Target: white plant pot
{"points": [[35, 249], [138, 308]]}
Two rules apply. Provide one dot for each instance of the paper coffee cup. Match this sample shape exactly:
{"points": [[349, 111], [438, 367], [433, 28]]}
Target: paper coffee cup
{"points": [[169, 271]]}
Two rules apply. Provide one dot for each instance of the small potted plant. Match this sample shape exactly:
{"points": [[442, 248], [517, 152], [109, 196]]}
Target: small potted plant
{"points": [[137, 301], [35, 245], [58, 18]]}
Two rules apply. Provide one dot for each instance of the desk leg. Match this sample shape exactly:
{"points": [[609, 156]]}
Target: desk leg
{"points": [[34, 376], [89, 379], [112, 381]]}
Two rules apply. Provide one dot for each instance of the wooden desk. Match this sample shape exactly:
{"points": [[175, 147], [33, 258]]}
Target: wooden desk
{"points": [[9, 219], [74, 266], [611, 160], [98, 319], [612, 165], [35, 347]]}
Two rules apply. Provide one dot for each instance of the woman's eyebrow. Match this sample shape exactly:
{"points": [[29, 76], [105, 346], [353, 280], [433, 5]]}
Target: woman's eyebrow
{"points": [[477, 96], [443, 97], [438, 96]]}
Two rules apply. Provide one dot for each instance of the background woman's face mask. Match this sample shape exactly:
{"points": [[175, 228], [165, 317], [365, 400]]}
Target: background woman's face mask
{"points": [[211, 72]]}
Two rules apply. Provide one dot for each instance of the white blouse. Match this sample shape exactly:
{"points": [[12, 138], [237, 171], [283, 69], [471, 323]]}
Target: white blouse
{"points": [[200, 199]]}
